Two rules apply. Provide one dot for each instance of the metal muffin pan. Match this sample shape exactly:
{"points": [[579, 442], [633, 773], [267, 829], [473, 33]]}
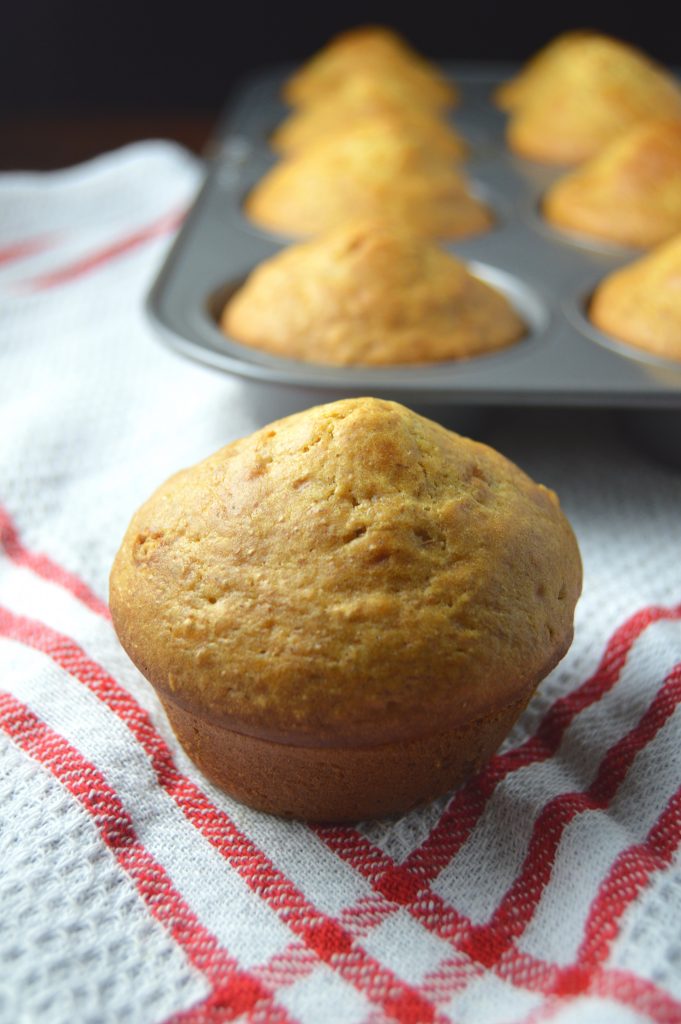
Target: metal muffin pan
{"points": [[548, 275]]}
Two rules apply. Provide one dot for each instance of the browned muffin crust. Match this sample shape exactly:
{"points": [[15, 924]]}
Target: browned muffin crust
{"points": [[369, 294], [540, 69], [596, 89], [349, 576], [372, 49], [630, 193], [383, 169], [340, 784], [365, 98], [641, 303]]}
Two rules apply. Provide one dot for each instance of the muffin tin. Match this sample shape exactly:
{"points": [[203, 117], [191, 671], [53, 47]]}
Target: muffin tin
{"points": [[547, 274]]}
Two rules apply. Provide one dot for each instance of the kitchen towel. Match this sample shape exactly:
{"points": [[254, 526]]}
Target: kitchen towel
{"points": [[546, 889]]}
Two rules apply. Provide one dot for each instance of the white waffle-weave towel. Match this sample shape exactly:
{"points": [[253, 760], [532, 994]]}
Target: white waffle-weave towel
{"points": [[130, 890]]}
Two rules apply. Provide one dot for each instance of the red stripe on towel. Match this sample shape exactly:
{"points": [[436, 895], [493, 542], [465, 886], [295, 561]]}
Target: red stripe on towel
{"points": [[100, 257], [331, 941], [45, 567], [239, 990]]}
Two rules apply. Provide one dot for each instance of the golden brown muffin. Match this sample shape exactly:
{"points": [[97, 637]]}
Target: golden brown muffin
{"points": [[366, 98], [421, 127], [374, 50], [630, 193], [641, 303], [344, 613], [380, 169], [531, 79], [369, 294], [597, 90]]}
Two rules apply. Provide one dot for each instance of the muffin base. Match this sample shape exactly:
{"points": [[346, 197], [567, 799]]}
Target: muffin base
{"points": [[339, 784]]}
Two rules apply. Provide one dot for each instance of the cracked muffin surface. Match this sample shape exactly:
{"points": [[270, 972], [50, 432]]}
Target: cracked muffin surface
{"points": [[353, 575], [370, 294]]}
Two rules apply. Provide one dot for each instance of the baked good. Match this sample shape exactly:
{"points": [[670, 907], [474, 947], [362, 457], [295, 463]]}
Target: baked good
{"points": [[344, 613], [630, 193], [307, 131], [596, 90], [369, 293], [380, 169], [641, 303], [372, 49], [531, 78], [360, 98]]}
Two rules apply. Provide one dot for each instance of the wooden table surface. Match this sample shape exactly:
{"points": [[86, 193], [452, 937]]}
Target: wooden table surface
{"points": [[34, 142]]}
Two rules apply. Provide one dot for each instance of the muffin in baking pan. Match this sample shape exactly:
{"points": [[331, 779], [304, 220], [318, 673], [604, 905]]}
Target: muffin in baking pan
{"points": [[365, 97], [379, 169], [593, 91], [370, 293], [531, 78], [640, 304], [630, 193], [344, 613], [437, 138], [373, 49]]}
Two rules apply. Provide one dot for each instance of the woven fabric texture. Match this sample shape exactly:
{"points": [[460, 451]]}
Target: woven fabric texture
{"points": [[548, 888]]}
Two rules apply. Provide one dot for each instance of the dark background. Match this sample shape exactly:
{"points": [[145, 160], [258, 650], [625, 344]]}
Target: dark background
{"points": [[134, 68], [81, 55]]}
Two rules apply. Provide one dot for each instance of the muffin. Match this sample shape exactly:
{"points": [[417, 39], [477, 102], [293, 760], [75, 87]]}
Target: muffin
{"points": [[370, 49], [369, 294], [641, 303], [380, 169], [358, 99], [336, 127], [344, 613], [630, 193], [539, 69], [596, 90]]}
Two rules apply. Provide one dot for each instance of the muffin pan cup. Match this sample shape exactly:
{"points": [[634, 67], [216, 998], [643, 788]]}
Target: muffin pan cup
{"points": [[548, 275]]}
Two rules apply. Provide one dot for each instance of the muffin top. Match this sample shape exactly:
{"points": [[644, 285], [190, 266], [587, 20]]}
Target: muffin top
{"points": [[630, 193], [369, 293], [384, 168], [641, 303], [597, 89], [372, 49], [364, 97], [349, 575], [539, 69]]}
